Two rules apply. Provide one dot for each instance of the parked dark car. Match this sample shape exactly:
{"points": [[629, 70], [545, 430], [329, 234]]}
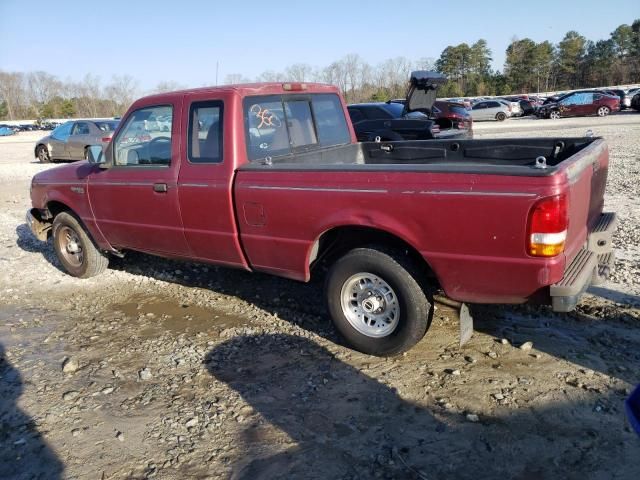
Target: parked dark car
{"points": [[452, 116], [625, 101], [389, 122], [579, 104], [635, 102]]}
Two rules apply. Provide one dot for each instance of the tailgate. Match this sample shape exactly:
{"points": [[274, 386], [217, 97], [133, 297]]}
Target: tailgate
{"points": [[586, 174]]}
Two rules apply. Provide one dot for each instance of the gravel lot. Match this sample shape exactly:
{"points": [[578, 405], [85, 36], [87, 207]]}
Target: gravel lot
{"points": [[176, 370]]}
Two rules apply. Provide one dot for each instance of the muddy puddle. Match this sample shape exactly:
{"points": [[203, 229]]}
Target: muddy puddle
{"points": [[30, 332], [159, 314]]}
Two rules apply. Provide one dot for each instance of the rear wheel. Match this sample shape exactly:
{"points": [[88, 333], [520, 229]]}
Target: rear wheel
{"points": [[75, 250], [554, 115], [43, 154], [376, 302], [603, 111], [501, 116]]}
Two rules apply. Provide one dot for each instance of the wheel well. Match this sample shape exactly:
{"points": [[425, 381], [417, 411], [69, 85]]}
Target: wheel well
{"points": [[336, 242], [54, 208], [35, 150]]}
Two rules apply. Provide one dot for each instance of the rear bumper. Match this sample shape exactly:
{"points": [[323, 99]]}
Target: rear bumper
{"points": [[591, 266]]}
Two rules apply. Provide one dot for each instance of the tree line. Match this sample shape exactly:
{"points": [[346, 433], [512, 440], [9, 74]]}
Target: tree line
{"points": [[575, 62]]}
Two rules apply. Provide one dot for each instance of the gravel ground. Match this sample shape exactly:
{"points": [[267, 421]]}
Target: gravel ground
{"points": [[176, 370]]}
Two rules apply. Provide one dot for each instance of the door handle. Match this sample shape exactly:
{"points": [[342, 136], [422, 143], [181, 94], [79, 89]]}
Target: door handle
{"points": [[160, 187]]}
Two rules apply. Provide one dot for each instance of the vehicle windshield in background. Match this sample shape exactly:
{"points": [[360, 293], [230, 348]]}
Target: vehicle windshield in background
{"points": [[396, 110], [459, 110], [281, 124], [107, 126]]}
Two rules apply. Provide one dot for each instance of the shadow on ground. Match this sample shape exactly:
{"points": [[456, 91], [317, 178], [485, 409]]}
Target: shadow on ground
{"points": [[24, 454], [317, 417], [567, 336]]}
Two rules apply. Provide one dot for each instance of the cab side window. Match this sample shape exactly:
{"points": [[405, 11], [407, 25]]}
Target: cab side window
{"points": [[205, 132], [145, 138]]}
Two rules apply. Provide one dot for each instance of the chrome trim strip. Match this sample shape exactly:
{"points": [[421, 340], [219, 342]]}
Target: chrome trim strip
{"points": [[131, 184], [44, 184], [493, 194], [193, 185], [316, 189]]}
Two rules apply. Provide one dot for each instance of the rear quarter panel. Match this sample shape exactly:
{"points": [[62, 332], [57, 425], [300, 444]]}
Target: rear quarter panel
{"points": [[470, 228]]}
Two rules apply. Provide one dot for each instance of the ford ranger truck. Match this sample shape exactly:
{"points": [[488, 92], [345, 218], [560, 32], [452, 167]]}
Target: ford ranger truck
{"points": [[270, 178]]}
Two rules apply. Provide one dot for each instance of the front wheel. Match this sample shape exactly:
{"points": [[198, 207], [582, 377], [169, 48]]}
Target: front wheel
{"points": [[75, 250], [603, 111], [376, 302], [554, 115]]}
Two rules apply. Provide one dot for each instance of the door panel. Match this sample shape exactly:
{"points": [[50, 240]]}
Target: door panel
{"points": [[135, 202], [206, 185]]}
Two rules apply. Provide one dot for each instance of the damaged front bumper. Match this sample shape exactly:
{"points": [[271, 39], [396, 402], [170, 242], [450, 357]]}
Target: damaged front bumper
{"points": [[38, 226]]}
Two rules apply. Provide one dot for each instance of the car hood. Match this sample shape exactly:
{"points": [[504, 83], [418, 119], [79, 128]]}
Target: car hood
{"points": [[46, 139], [71, 172], [422, 91]]}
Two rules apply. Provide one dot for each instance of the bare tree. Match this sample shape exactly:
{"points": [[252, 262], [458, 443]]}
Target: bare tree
{"points": [[121, 93], [42, 88], [271, 76], [12, 93], [168, 86], [235, 78], [299, 72]]}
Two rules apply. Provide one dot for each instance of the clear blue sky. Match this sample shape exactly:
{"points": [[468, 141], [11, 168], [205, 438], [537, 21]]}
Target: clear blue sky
{"points": [[181, 41]]}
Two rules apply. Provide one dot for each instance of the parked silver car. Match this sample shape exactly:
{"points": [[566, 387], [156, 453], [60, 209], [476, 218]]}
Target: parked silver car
{"points": [[70, 140], [490, 110]]}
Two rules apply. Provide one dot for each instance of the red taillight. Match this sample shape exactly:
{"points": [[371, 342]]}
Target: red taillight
{"points": [[106, 139], [294, 87], [547, 229]]}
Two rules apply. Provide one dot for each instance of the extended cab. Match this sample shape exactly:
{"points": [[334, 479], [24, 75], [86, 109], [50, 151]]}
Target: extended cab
{"points": [[270, 178]]}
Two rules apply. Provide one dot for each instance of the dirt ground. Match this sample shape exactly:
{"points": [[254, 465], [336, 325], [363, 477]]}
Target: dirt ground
{"points": [[173, 370]]}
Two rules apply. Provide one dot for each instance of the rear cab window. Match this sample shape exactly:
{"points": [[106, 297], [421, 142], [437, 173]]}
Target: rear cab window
{"points": [[284, 124]]}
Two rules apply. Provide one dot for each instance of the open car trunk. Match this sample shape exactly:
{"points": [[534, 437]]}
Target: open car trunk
{"points": [[422, 91]]}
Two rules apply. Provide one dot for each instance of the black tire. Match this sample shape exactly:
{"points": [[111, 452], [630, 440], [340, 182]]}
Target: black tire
{"points": [[401, 275], [84, 260], [42, 153], [501, 116], [86, 153]]}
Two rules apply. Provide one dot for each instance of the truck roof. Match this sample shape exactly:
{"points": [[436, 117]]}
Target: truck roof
{"points": [[250, 89]]}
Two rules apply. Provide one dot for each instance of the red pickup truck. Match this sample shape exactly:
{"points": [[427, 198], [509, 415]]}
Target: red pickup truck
{"points": [[270, 178]]}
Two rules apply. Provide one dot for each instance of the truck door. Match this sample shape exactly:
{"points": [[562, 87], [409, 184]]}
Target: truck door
{"points": [[135, 202], [205, 184]]}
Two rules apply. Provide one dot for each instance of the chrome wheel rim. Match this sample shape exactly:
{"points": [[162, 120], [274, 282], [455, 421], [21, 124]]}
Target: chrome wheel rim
{"points": [[42, 154], [554, 115], [370, 305], [602, 111], [70, 246]]}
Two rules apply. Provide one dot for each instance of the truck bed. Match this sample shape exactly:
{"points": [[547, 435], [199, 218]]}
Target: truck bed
{"points": [[497, 157]]}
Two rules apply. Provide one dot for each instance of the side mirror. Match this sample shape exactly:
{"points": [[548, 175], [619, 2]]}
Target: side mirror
{"points": [[95, 155]]}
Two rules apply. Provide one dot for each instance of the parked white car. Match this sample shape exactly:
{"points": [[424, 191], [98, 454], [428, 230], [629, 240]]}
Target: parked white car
{"points": [[490, 110]]}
